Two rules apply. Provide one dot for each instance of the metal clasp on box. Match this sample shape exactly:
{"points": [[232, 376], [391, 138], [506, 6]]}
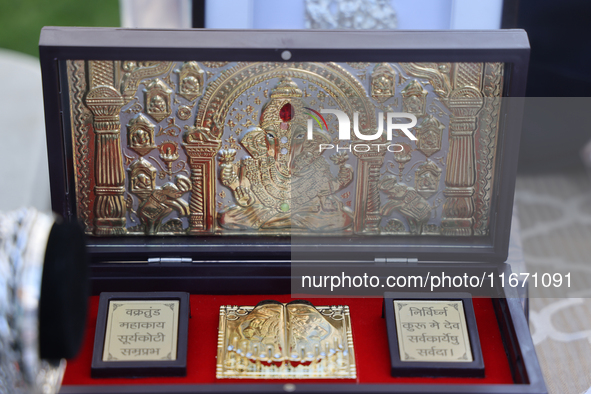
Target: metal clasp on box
{"points": [[396, 260], [170, 260]]}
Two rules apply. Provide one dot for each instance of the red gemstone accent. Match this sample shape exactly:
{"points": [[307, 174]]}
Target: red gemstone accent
{"points": [[286, 112]]}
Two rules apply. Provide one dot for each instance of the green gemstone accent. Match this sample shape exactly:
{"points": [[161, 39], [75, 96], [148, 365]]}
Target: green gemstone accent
{"points": [[284, 207]]}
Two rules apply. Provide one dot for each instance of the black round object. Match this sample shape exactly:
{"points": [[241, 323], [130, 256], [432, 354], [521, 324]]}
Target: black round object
{"points": [[64, 293]]}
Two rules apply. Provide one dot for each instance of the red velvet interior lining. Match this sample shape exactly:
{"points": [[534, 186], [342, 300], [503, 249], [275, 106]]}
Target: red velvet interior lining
{"points": [[369, 338]]}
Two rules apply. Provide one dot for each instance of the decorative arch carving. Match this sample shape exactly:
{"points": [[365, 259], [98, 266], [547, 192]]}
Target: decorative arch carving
{"points": [[202, 141]]}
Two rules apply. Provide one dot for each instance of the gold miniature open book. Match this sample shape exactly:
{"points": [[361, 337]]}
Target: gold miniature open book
{"points": [[296, 340]]}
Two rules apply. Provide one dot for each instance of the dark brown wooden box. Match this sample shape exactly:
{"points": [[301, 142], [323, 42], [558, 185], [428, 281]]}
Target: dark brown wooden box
{"points": [[242, 265]]}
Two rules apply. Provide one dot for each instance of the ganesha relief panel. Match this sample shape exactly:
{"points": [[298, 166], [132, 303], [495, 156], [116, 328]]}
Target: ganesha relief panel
{"points": [[246, 148]]}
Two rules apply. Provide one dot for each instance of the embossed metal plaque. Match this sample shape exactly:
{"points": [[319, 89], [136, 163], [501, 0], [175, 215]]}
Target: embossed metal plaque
{"points": [[141, 330], [430, 330], [433, 334], [223, 148], [141, 334], [295, 340]]}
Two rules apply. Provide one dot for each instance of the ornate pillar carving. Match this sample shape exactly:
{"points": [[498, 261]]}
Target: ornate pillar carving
{"points": [[201, 149], [464, 102], [367, 204], [105, 103], [462, 95]]}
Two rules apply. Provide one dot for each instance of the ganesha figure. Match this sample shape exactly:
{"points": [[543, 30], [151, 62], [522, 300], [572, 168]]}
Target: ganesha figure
{"points": [[285, 183]]}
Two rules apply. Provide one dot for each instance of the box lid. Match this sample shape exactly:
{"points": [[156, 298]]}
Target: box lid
{"points": [[225, 144]]}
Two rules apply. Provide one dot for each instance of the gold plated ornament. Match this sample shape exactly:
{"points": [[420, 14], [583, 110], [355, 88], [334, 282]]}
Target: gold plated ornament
{"points": [[243, 133], [296, 340]]}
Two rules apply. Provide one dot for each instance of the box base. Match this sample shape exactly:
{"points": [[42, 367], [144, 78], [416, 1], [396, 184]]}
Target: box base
{"points": [[369, 338]]}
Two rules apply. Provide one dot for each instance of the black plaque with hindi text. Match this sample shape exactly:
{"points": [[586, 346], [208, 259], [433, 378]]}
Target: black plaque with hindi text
{"points": [[141, 334], [433, 335]]}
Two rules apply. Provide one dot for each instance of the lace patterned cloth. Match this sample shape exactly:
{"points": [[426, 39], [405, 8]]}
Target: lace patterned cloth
{"points": [[350, 14], [555, 217]]}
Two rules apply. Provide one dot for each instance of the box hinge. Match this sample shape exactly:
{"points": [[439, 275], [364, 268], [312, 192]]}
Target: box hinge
{"points": [[396, 260], [170, 260]]}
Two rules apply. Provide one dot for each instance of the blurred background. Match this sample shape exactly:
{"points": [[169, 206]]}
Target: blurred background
{"points": [[21, 21], [557, 31], [553, 197]]}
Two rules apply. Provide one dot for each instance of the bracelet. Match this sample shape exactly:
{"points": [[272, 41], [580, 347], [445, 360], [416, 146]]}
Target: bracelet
{"points": [[23, 240]]}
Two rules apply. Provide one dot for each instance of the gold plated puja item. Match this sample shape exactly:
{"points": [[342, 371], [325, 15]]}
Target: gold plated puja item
{"points": [[432, 330], [433, 334], [225, 148], [145, 330], [141, 334], [296, 340]]}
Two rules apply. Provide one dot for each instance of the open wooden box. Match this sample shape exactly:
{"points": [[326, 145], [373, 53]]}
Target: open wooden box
{"points": [[142, 153]]}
